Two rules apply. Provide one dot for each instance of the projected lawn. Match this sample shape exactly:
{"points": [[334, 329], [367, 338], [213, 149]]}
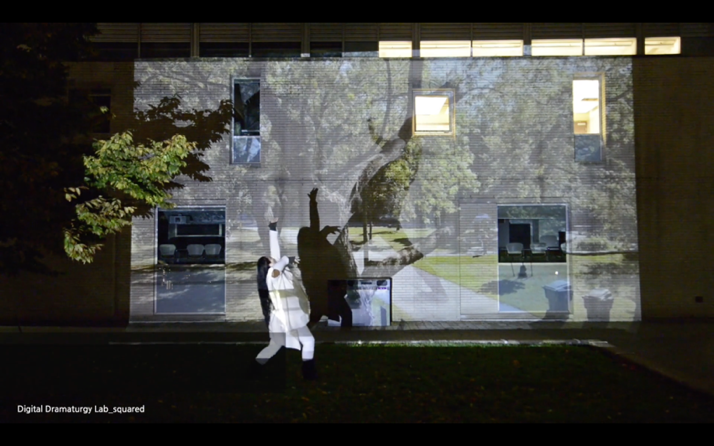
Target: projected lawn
{"points": [[357, 384]]}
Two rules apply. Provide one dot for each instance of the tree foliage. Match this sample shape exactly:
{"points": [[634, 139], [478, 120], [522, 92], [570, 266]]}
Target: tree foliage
{"points": [[59, 191]]}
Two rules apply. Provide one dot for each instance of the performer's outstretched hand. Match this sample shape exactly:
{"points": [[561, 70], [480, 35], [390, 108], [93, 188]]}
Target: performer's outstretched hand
{"points": [[313, 194], [327, 230]]}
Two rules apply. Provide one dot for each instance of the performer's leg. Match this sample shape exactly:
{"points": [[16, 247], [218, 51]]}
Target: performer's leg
{"points": [[308, 343], [276, 343], [309, 370]]}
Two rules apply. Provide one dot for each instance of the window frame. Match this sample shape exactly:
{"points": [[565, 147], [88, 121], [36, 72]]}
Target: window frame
{"points": [[600, 77], [450, 93], [249, 138]]}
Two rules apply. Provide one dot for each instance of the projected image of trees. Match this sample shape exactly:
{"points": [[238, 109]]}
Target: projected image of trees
{"points": [[406, 203]]}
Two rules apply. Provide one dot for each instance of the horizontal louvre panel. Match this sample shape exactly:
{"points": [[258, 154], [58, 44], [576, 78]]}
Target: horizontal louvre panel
{"points": [[697, 29], [660, 29], [166, 32], [117, 32], [224, 32], [445, 31], [557, 31], [326, 32], [361, 32], [277, 32], [605, 30], [395, 31]]}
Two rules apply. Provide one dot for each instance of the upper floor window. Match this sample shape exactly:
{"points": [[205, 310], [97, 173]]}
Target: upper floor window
{"points": [[557, 47], [497, 48], [588, 118], [395, 49], [434, 112], [246, 121], [446, 48], [611, 47], [99, 101], [663, 45]]}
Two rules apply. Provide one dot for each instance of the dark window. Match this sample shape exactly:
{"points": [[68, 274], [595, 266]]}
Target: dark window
{"points": [[326, 49], [276, 49], [359, 48], [223, 49], [102, 100], [116, 51], [165, 50], [246, 121], [247, 107], [98, 106]]}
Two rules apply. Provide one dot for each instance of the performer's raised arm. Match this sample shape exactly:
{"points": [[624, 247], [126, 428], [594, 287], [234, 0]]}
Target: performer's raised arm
{"points": [[281, 262], [314, 214]]}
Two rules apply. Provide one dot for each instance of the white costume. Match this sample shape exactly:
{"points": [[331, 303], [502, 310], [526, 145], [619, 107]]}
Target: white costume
{"points": [[291, 313]]}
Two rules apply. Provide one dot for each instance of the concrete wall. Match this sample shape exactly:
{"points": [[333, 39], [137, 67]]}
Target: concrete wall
{"points": [[674, 133]]}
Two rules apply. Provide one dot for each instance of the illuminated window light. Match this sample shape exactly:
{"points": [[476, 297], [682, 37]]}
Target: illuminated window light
{"points": [[447, 48], [588, 119], [559, 47], [611, 47], [395, 49], [497, 48], [663, 45], [433, 113]]}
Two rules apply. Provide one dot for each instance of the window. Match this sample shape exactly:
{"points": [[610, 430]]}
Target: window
{"points": [[102, 100], [663, 45], [611, 47], [98, 103], [191, 258], [588, 118], [558, 47], [325, 49], [446, 48], [223, 49], [160, 50], [361, 49], [395, 49], [497, 48], [246, 121], [532, 262], [116, 51], [276, 49], [434, 112]]}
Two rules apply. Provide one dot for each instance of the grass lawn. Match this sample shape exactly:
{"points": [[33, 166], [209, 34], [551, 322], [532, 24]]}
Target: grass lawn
{"points": [[205, 383]]}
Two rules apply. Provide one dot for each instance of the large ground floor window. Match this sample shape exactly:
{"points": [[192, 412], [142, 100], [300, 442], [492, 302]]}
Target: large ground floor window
{"points": [[533, 266], [190, 270]]}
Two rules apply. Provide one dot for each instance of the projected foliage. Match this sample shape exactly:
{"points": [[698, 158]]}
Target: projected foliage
{"points": [[345, 126]]}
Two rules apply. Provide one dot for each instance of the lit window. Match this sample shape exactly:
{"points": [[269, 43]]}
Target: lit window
{"points": [[246, 121], [561, 47], [663, 45], [611, 47], [434, 112], [447, 48], [395, 49], [497, 48], [588, 119]]}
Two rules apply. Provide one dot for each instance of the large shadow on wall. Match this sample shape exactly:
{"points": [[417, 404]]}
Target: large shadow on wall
{"points": [[104, 284]]}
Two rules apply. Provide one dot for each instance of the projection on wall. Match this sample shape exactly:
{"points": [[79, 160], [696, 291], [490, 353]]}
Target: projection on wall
{"points": [[370, 301], [190, 273], [462, 181], [533, 267]]}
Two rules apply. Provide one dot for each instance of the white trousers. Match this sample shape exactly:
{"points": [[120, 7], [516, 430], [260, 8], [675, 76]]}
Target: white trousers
{"points": [[277, 340]]}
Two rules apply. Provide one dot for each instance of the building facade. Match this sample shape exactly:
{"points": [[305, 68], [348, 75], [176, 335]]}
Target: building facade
{"points": [[475, 171]]}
